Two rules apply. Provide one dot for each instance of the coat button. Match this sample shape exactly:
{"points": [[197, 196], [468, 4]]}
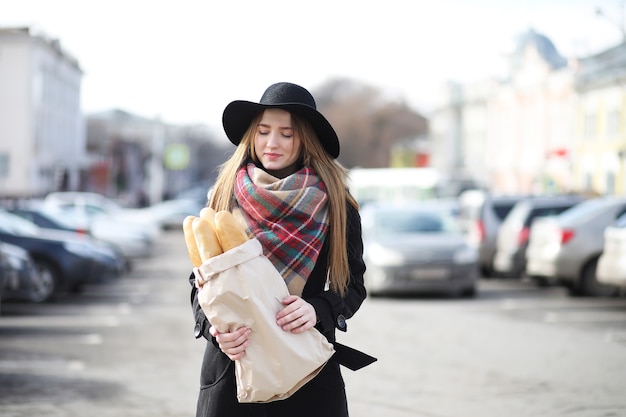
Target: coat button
{"points": [[341, 323], [197, 330]]}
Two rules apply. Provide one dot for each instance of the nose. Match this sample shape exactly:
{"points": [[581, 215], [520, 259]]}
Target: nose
{"points": [[272, 140]]}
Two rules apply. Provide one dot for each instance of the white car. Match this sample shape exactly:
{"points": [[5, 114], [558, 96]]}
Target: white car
{"points": [[612, 263], [169, 214], [566, 248], [134, 231], [87, 207]]}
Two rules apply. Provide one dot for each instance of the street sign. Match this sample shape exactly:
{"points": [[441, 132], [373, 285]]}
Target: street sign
{"points": [[176, 156]]}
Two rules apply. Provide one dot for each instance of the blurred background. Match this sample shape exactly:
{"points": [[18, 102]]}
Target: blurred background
{"points": [[125, 99], [111, 114], [486, 143]]}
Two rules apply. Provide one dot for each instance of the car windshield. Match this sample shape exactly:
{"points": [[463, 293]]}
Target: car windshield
{"points": [[502, 209], [15, 225], [92, 204], [620, 221], [525, 212], [583, 211], [544, 212], [407, 221], [516, 216]]}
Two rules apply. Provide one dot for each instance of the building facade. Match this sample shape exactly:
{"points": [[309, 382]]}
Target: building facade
{"points": [[514, 134], [600, 128], [142, 161], [42, 131]]}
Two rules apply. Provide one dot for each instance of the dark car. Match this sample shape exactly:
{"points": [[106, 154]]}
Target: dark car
{"points": [[22, 280], [483, 214], [414, 248], [46, 220], [7, 272], [512, 241], [65, 261], [110, 253]]}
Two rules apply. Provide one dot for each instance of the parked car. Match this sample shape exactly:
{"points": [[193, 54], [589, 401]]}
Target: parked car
{"points": [[7, 272], [131, 241], [47, 220], [198, 193], [611, 268], [64, 260], [118, 243], [23, 281], [416, 247], [512, 239], [566, 248], [169, 214], [86, 208], [483, 214]]}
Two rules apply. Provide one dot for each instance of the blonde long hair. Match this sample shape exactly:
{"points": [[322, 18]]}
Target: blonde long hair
{"points": [[332, 173]]}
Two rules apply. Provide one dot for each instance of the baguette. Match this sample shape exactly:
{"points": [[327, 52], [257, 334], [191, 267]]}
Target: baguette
{"points": [[190, 241], [230, 232], [206, 239], [208, 214]]}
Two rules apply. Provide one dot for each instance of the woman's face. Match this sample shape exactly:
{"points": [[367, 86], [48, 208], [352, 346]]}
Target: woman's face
{"points": [[275, 145]]}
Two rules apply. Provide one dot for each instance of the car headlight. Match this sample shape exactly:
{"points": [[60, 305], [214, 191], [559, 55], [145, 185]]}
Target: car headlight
{"points": [[15, 262], [79, 249], [105, 251], [383, 256], [466, 255]]}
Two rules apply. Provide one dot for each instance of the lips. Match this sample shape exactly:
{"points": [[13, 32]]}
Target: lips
{"points": [[272, 156]]}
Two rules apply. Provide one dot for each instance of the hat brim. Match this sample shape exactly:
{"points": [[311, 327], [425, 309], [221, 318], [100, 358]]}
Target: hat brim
{"points": [[239, 114]]}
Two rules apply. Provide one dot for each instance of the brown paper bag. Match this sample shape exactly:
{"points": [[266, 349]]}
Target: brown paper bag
{"points": [[241, 287]]}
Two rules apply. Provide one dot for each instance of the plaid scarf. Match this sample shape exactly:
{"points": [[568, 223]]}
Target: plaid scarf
{"points": [[288, 216]]}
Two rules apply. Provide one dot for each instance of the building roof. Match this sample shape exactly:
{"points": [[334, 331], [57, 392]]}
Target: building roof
{"points": [[606, 67], [39, 36], [544, 46]]}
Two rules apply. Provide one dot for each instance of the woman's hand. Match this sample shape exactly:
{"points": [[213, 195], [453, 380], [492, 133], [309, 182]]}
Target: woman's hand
{"points": [[233, 344], [298, 316]]}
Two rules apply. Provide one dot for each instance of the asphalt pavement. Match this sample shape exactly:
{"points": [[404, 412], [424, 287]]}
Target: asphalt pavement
{"points": [[126, 348]]}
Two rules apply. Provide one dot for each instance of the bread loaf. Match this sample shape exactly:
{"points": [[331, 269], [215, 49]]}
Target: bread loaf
{"points": [[206, 239], [208, 214], [230, 232], [190, 241]]}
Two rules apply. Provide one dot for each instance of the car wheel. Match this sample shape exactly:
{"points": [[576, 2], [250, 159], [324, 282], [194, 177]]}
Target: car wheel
{"points": [[76, 288], [588, 284], [46, 283], [540, 281], [469, 292]]}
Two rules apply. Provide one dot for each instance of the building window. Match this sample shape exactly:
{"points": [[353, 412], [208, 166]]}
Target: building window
{"points": [[612, 124]]}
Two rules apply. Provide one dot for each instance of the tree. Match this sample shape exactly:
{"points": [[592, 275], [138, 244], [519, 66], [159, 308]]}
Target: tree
{"points": [[367, 122]]}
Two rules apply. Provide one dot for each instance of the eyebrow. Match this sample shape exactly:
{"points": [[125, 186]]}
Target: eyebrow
{"points": [[280, 127]]}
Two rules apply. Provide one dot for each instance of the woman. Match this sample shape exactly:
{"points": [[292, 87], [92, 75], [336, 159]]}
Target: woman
{"points": [[285, 184]]}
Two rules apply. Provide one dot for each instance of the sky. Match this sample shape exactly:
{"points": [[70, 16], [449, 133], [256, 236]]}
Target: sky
{"points": [[183, 61]]}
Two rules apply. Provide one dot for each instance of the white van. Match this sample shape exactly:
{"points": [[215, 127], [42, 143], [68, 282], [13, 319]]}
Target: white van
{"points": [[393, 184]]}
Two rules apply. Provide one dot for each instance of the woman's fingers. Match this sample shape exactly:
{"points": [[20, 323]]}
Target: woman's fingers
{"points": [[233, 344], [297, 316]]}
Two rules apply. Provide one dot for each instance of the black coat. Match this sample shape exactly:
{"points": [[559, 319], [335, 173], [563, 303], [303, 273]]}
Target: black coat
{"points": [[325, 394]]}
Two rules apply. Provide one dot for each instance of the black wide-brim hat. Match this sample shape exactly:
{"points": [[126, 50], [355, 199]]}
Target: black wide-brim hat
{"points": [[287, 96]]}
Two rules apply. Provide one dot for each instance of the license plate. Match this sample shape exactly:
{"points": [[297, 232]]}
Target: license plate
{"points": [[431, 273]]}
